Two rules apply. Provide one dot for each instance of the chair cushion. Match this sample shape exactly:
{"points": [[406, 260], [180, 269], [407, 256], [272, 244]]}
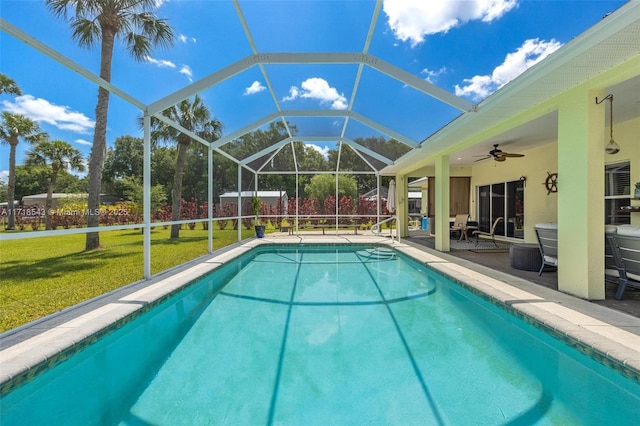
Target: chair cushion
{"points": [[610, 229], [546, 225], [629, 230], [551, 260]]}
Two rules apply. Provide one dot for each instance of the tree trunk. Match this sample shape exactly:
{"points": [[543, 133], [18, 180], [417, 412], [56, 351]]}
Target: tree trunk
{"points": [[11, 189], [99, 148], [48, 202], [176, 194]]}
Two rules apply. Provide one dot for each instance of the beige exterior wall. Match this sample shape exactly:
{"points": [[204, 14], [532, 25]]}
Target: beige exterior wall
{"points": [[538, 206], [627, 135]]}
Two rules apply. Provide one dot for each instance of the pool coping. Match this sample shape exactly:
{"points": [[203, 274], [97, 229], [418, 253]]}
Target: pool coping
{"points": [[610, 336]]}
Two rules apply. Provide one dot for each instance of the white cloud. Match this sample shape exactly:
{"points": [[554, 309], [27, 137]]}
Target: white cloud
{"points": [[318, 89], [323, 150], [413, 20], [162, 63], [293, 94], [431, 76], [256, 87], [83, 142], [41, 110], [4, 176], [530, 53], [184, 39], [186, 70]]}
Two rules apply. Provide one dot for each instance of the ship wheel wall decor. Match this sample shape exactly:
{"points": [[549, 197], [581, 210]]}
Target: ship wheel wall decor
{"points": [[551, 183]]}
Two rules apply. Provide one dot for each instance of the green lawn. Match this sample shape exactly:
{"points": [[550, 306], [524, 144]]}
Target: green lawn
{"points": [[39, 276]]}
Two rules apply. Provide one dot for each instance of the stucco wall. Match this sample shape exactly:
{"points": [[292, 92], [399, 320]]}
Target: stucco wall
{"points": [[627, 135], [540, 207]]}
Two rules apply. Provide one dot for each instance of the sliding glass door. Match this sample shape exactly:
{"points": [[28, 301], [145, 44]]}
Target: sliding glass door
{"points": [[505, 200], [484, 208], [515, 209]]}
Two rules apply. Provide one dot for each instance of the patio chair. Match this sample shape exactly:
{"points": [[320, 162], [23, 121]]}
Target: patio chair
{"points": [[610, 267], [491, 233], [460, 224], [547, 234], [625, 248]]}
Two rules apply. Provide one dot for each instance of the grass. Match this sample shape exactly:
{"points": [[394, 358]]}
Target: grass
{"points": [[41, 276]]}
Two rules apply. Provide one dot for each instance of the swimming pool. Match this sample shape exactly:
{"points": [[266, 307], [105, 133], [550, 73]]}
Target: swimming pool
{"points": [[325, 335]]}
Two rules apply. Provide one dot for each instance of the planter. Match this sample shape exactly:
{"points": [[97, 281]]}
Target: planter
{"points": [[259, 231]]}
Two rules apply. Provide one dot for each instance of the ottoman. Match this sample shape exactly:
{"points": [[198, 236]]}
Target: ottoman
{"points": [[525, 257]]}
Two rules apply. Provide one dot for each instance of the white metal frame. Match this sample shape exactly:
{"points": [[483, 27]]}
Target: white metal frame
{"points": [[259, 59]]}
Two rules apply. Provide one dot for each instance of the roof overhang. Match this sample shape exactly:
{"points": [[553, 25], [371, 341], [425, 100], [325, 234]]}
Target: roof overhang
{"points": [[606, 54]]}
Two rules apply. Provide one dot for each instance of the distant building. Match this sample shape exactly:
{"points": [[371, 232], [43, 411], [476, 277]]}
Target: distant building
{"points": [[415, 202], [268, 197], [373, 194], [414, 198], [58, 197]]}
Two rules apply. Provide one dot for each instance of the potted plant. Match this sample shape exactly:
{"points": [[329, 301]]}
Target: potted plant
{"points": [[256, 206]]}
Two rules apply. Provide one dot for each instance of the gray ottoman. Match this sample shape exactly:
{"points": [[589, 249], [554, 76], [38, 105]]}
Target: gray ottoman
{"points": [[525, 257]]}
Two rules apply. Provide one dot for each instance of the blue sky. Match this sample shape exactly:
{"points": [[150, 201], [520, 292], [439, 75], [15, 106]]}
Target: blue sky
{"points": [[469, 48]]}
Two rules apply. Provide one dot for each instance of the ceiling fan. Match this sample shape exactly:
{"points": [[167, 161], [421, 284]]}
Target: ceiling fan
{"points": [[498, 154]]}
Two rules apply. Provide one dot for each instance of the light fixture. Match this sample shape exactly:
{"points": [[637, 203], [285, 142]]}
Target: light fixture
{"points": [[612, 147]]}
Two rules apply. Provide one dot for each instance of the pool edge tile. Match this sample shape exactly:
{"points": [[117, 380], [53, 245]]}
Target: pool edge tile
{"points": [[594, 337]]}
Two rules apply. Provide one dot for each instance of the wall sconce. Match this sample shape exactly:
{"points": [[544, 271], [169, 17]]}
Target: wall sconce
{"points": [[612, 147]]}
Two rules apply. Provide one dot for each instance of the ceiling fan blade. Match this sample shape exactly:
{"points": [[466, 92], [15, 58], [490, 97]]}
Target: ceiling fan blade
{"points": [[486, 157], [506, 154]]}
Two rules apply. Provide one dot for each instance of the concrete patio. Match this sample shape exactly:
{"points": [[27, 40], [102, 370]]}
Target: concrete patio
{"points": [[499, 261]]}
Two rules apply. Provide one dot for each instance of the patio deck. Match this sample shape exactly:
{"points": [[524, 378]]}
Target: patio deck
{"points": [[630, 304]]}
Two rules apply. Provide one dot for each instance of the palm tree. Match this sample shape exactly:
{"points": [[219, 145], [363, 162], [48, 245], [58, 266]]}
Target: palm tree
{"points": [[8, 86], [195, 117], [59, 155], [103, 21], [13, 128]]}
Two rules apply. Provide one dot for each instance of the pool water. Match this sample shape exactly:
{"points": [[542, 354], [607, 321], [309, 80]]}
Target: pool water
{"points": [[325, 335]]}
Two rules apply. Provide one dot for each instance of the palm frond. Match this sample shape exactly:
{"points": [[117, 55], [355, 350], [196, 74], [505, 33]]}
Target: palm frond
{"points": [[86, 32], [9, 86], [138, 46]]}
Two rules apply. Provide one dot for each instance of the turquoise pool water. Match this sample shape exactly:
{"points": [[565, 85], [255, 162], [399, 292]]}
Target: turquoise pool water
{"points": [[325, 335]]}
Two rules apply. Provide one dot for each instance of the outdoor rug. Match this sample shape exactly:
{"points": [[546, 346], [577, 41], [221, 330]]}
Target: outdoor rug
{"points": [[490, 250], [484, 246]]}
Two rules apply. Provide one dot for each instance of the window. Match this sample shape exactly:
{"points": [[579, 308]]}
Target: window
{"points": [[504, 200], [617, 193]]}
